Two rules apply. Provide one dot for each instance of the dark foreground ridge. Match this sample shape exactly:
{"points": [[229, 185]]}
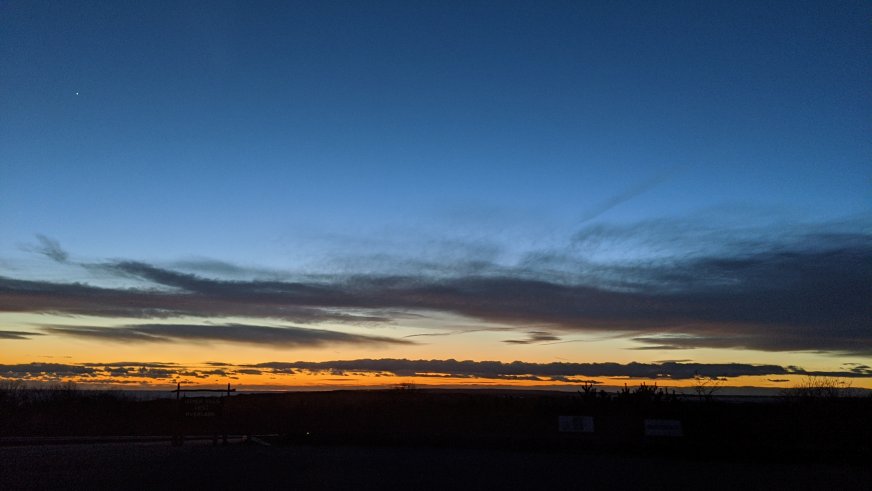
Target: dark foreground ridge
{"points": [[388, 435]]}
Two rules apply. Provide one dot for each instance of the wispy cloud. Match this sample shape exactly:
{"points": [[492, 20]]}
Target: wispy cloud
{"points": [[457, 332], [49, 248], [628, 195]]}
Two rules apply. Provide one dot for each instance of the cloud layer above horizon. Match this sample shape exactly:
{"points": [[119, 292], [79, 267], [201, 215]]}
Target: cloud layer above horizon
{"points": [[578, 373], [805, 291]]}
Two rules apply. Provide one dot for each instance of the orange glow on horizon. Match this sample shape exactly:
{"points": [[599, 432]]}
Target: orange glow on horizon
{"points": [[362, 380]]}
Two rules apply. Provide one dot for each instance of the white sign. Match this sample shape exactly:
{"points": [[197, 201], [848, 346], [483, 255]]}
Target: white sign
{"points": [[663, 427], [575, 424]]}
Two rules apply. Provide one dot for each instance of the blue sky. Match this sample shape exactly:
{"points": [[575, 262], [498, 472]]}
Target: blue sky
{"points": [[583, 139], [214, 129]]}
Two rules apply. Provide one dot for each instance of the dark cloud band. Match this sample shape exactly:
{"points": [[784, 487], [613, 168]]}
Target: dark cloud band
{"points": [[231, 333], [18, 334]]}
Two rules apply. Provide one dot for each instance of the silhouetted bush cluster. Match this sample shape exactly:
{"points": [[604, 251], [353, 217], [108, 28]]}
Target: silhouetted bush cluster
{"points": [[15, 393], [815, 388], [61, 409]]}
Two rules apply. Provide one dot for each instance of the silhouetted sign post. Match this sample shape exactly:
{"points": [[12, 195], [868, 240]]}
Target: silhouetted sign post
{"points": [[575, 424], [663, 427], [203, 407], [200, 412]]}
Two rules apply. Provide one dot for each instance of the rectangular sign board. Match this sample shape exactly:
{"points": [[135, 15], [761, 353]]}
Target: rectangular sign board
{"points": [[575, 424], [663, 427], [202, 407]]}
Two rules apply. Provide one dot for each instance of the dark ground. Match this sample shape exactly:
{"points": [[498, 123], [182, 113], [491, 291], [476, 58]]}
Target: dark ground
{"points": [[250, 466], [433, 440]]}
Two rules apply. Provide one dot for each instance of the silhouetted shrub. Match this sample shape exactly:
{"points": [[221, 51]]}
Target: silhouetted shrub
{"points": [[820, 388], [705, 387]]}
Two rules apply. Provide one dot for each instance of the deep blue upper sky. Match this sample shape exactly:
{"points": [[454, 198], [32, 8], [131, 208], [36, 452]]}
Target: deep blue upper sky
{"points": [[270, 132]]}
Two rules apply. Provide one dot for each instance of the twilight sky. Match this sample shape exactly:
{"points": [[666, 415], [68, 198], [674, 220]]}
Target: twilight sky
{"points": [[359, 193]]}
